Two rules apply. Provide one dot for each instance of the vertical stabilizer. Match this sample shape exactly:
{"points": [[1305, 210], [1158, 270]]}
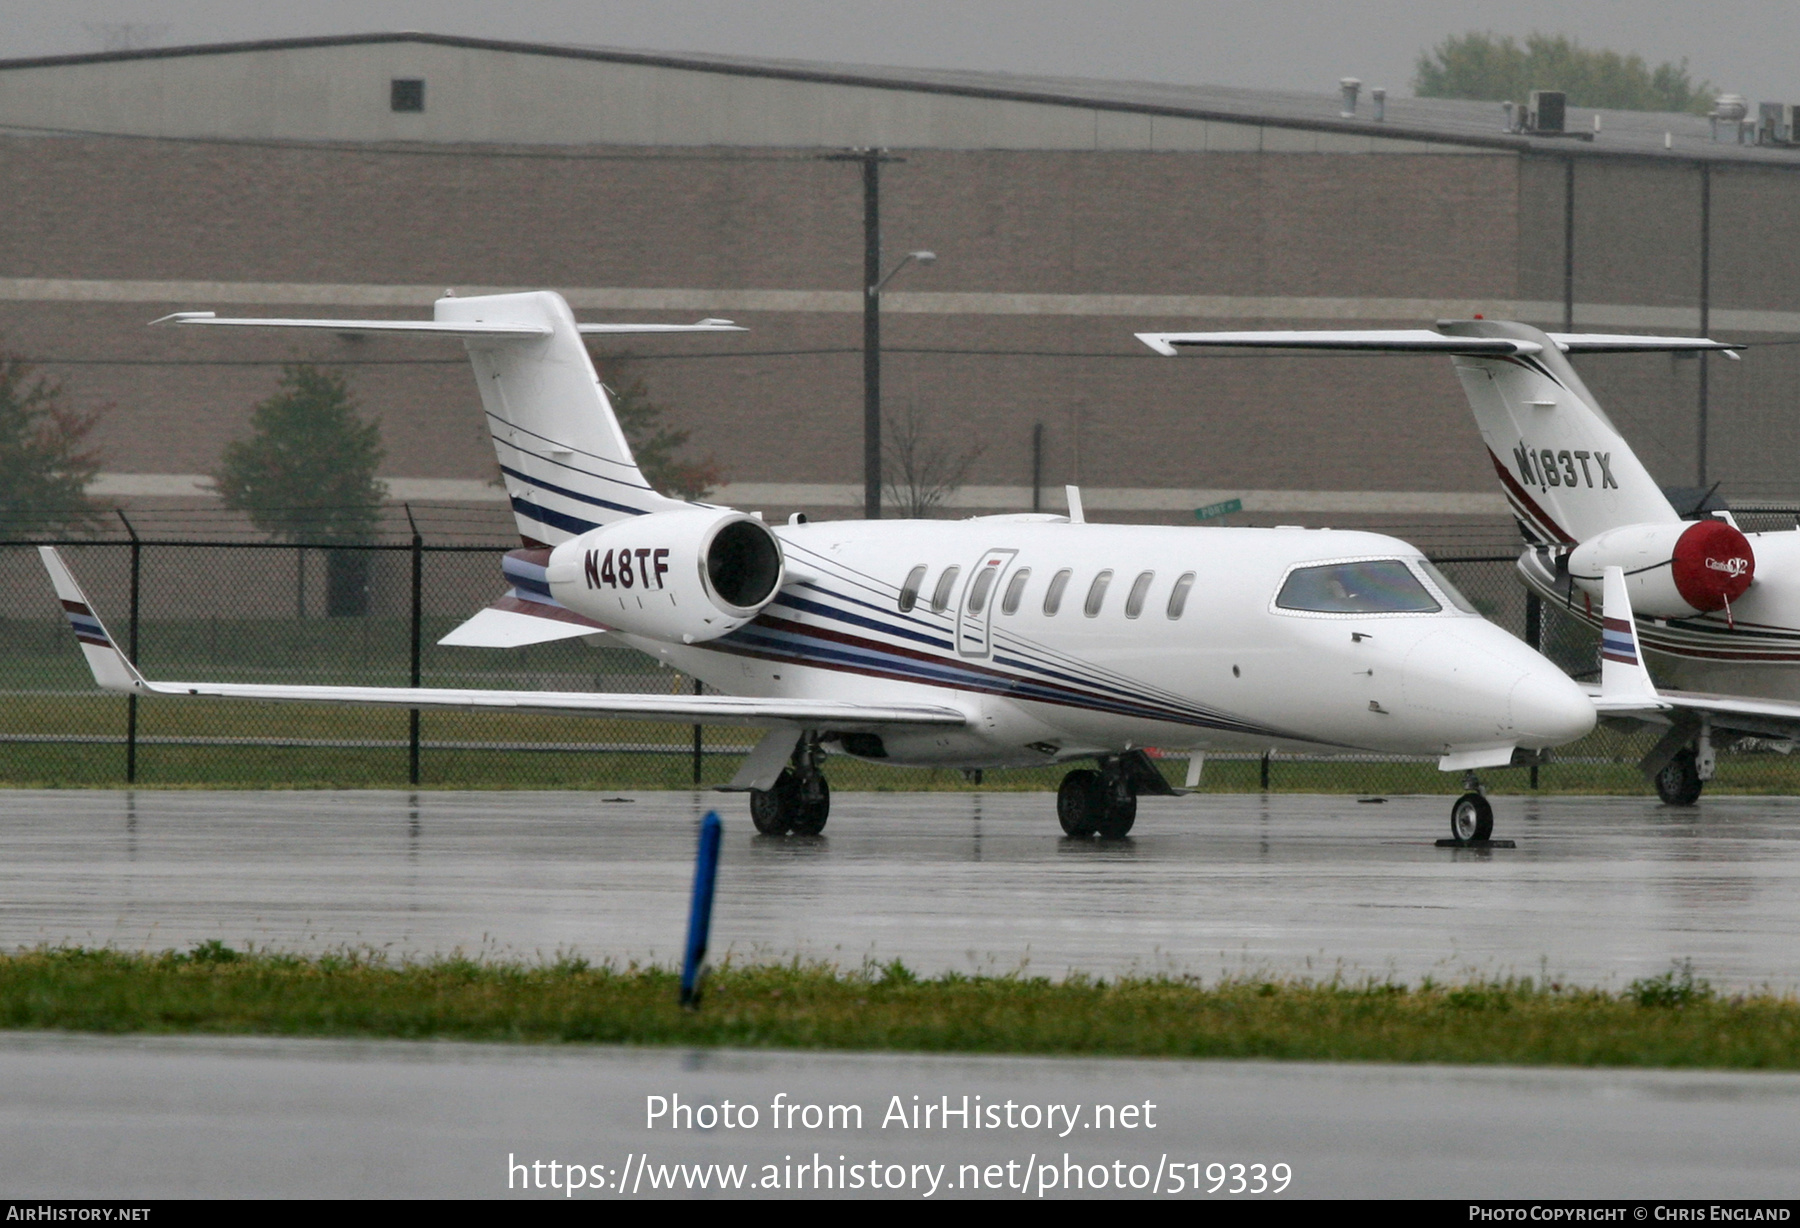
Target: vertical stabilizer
{"points": [[1566, 470], [564, 460]]}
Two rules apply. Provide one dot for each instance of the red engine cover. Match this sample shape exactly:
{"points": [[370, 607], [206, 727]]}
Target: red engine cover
{"points": [[1712, 565]]}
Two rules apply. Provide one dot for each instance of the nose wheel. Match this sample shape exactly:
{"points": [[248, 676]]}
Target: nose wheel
{"points": [[1471, 819]]}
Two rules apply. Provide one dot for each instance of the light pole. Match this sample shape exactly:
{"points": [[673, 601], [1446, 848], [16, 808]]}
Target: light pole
{"points": [[872, 358]]}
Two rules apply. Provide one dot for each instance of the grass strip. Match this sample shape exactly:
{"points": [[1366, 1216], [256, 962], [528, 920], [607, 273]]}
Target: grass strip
{"points": [[1673, 1020]]}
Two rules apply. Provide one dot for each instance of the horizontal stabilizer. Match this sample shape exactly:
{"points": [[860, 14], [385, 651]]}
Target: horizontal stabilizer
{"points": [[1425, 341], [1386, 340], [467, 330], [1626, 343]]}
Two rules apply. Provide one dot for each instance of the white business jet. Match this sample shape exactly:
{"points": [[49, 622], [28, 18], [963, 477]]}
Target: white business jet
{"points": [[1717, 609], [1000, 641]]}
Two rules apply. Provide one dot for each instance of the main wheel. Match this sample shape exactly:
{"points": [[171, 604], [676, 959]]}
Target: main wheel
{"points": [[809, 818], [775, 809], [1679, 783], [1080, 802], [1472, 818], [1120, 813]]}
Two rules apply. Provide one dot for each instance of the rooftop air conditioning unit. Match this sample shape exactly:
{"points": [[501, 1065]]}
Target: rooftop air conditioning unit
{"points": [[1548, 109], [1775, 123]]}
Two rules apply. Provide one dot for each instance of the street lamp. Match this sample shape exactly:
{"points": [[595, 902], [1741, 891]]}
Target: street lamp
{"points": [[872, 367]]}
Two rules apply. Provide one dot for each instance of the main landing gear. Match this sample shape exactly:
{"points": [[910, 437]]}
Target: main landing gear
{"points": [[1685, 772], [800, 800], [1104, 803]]}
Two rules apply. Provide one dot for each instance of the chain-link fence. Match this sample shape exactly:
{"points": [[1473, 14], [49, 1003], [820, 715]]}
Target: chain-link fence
{"points": [[260, 612]]}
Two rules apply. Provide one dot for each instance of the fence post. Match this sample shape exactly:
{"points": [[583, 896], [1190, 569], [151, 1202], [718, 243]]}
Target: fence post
{"points": [[1265, 771], [1534, 636], [696, 740], [418, 584], [137, 549]]}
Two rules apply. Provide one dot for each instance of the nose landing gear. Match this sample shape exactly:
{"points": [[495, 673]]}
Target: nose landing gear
{"points": [[799, 801], [1472, 820]]}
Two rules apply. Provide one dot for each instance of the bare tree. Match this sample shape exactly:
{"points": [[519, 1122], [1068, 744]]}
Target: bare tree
{"points": [[920, 468]]}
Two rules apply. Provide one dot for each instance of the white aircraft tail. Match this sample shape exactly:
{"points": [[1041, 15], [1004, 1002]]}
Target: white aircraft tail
{"points": [[564, 460], [1566, 470]]}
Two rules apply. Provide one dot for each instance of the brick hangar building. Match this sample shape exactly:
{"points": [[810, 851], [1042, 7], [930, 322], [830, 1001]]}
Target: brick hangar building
{"points": [[364, 175]]}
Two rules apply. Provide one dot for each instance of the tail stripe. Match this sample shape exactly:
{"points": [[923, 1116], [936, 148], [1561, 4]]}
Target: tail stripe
{"points": [[566, 493], [573, 525]]}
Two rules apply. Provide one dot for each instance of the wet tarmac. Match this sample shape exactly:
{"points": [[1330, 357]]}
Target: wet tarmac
{"points": [[1599, 890], [93, 1117]]}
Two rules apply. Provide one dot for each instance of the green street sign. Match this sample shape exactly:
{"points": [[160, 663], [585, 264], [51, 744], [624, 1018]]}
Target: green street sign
{"points": [[1218, 509]]}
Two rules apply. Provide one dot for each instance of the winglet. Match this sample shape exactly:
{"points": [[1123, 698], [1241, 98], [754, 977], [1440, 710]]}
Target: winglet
{"points": [[111, 670], [1624, 680]]}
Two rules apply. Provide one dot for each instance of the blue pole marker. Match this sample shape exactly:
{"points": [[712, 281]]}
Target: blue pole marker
{"points": [[706, 874]]}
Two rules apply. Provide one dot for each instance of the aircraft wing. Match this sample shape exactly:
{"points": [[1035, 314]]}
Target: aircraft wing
{"points": [[113, 672], [1743, 713]]}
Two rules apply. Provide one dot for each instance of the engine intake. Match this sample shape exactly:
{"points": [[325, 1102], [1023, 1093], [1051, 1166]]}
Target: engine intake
{"points": [[1671, 570], [684, 577]]}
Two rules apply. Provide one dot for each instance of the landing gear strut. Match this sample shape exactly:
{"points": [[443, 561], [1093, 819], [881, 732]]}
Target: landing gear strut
{"points": [[1102, 803], [799, 802]]}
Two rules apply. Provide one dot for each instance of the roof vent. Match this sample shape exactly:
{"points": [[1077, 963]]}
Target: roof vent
{"points": [[1378, 97], [1349, 87]]}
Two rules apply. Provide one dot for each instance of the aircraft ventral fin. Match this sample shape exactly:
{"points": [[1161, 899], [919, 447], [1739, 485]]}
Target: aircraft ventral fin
{"points": [[113, 672]]}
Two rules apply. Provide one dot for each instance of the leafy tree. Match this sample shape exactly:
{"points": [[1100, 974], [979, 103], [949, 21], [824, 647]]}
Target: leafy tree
{"points": [[919, 468], [44, 468], [1491, 68], [307, 474], [655, 445]]}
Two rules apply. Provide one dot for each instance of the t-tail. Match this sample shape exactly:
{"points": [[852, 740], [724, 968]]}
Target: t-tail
{"points": [[1567, 472], [563, 457]]}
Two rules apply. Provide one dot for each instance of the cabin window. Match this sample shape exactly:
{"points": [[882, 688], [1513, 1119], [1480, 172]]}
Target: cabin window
{"points": [[1015, 589], [940, 597], [1445, 587], [1097, 594], [1053, 594], [1371, 586], [1140, 588], [1178, 596], [978, 591], [909, 592]]}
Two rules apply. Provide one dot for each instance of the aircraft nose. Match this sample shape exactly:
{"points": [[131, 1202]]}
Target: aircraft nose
{"points": [[1548, 709]]}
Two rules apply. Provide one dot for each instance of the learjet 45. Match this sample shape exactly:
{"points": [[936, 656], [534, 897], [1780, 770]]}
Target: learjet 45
{"points": [[1718, 609], [994, 642]]}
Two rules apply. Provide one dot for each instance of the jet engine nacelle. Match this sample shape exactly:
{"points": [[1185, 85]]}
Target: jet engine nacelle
{"points": [[1671, 570], [683, 577]]}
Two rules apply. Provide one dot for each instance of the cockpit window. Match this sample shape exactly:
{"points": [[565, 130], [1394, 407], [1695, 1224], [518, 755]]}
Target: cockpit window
{"points": [[1445, 587], [1371, 586]]}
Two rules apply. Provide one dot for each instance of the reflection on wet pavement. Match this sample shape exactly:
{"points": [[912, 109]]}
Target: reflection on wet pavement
{"points": [[1599, 890]]}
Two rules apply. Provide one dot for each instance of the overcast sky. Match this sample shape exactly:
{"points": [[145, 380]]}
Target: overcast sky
{"points": [[1748, 47]]}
